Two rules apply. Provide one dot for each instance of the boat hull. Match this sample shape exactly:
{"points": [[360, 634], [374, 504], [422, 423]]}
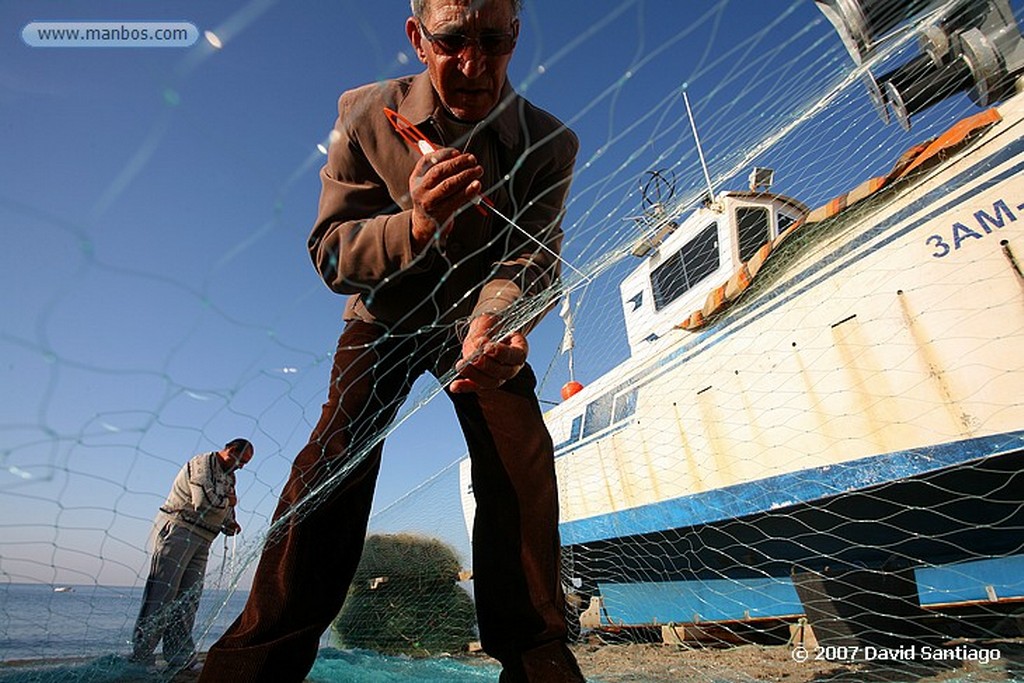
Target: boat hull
{"points": [[861, 406], [940, 517]]}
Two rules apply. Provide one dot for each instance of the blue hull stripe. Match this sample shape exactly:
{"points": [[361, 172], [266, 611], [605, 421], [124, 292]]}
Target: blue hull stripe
{"points": [[759, 496], [680, 602]]}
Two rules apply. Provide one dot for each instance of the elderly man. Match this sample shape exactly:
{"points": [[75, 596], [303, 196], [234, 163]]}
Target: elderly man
{"points": [[432, 275], [201, 505]]}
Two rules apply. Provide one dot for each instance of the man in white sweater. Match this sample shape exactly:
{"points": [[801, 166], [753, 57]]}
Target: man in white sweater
{"points": [[201, 505]]}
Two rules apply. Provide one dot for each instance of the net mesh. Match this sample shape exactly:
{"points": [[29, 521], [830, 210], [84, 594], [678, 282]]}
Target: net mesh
{"points": [[827, 459]]}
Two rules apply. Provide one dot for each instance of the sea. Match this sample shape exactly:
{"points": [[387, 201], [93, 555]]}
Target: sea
{"points": [[81, 634], [37, 621]]}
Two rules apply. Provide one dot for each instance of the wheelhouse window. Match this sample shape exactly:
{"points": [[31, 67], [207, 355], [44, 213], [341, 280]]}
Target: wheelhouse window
{"points": [[574, 432], [604, 411], [682, 270], [597, 415], [625, 405], [784, 221], [754, 228]]}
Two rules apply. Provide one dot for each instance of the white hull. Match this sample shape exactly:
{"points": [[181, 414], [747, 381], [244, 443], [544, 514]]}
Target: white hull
{"points": [[865, 341], [860, 403]]}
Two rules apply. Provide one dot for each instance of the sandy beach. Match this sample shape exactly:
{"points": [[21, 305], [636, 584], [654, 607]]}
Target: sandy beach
{"points": [[658, 663]]}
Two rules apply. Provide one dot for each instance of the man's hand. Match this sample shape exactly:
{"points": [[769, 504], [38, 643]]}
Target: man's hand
{"points": [[441, 183], [231, 528], [487, 364]]}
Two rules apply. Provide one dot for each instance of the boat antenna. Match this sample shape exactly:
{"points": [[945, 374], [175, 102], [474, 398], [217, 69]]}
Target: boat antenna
{"points": [[700, 152]]}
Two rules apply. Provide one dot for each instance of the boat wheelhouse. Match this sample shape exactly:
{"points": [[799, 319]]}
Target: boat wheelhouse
{"points": [[679, 271]]}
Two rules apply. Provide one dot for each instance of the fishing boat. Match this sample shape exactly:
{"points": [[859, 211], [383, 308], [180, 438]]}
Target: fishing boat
{"points": [[820, 401]]}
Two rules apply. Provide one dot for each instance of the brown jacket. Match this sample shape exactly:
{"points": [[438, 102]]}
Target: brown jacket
{"points": [[361, 243]]}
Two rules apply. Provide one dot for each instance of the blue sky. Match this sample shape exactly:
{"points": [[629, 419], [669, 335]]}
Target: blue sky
{"points": [[154, 206]]}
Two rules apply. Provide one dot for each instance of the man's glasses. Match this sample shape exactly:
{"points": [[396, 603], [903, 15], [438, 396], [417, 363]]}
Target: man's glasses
{"points": [[492, 44]]}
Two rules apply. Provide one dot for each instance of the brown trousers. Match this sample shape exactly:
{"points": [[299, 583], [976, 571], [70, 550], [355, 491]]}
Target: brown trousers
{"points": [[313, 550]]}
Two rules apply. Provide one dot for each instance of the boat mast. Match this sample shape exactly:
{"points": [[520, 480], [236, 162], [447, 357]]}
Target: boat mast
{"points": [[700, 152], [572, 387]]}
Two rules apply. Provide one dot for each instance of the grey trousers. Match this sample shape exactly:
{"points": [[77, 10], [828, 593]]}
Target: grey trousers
{"points": [[172, 593]]}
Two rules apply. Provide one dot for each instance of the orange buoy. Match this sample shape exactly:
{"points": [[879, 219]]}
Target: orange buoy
{"points": [[571, 389]]}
